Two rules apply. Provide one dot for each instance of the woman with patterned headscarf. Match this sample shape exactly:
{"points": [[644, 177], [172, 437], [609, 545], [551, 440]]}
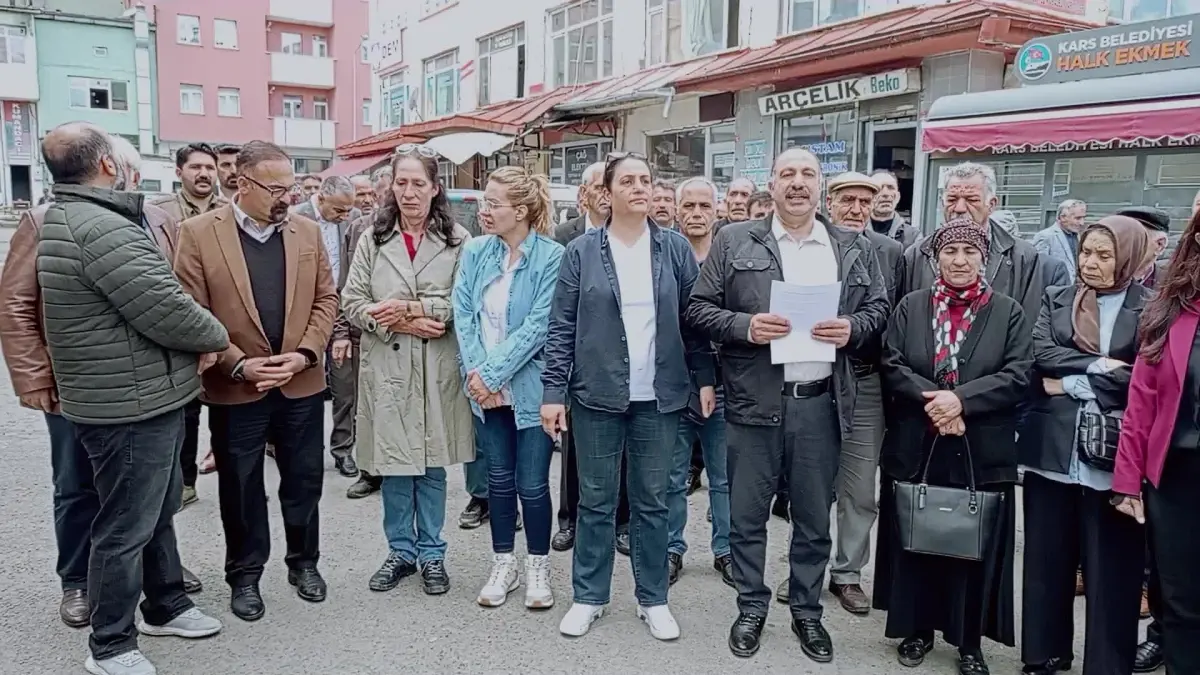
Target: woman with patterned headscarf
{"points": [[956, 364]]}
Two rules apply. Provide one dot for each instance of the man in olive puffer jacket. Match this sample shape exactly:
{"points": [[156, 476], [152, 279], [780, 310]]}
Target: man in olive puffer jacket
{"points": [[126, 345]]}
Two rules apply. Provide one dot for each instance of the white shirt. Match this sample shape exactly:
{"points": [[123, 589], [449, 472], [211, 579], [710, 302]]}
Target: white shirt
{"points": [[588, 225], [250, 226], [811, 261], [494, 319], [635, 278], [331, 237]]}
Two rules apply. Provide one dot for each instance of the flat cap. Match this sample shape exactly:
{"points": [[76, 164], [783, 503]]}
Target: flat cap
{"points": [[1152, 218], [848, 179]]}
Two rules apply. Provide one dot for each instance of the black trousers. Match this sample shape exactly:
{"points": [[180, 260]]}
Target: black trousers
{"points": [[296, 428], [1062, 523], [568, 486], [1171, 510], [191, 443]]}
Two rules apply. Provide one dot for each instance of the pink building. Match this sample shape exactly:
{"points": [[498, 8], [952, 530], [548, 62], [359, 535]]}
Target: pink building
{"points": [[287, 71]]}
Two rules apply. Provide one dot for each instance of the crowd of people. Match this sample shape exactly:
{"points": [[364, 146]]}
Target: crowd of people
{"points": [[635, 339]]}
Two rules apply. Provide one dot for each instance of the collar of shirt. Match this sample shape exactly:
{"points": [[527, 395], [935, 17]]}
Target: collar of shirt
{"points": [[818, 235], [587, 222], [192, 209], [317, 211], [250, 225]]}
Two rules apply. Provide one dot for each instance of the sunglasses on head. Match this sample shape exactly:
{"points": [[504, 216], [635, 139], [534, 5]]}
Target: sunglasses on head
{"points": [[416, 148], [617, 156]]}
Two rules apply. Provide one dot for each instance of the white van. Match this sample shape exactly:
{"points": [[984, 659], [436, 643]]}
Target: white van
{"points": [[565, 199]]}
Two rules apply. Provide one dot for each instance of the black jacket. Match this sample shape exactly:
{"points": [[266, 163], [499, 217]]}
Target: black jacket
{"points": [[585, 346], [735, 284], [1013, 268], [1048, 430], [994, 366], [566, 231], [891, 261]]}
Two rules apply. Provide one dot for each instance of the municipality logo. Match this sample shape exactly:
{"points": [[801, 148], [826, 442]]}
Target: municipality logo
{"points": [[1033, 61]]}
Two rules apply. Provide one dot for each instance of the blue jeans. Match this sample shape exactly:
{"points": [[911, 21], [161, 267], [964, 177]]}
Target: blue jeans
{"points": [[414, 512], [476, 474], [518, 462], [712, 443], [602, 442], [75, 502]]}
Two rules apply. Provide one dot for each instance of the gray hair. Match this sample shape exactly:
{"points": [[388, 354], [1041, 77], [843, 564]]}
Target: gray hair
{"points": [[970, 170], [589, 174], [124, 152], [360, 180], [337, 185], [693, 180], [664, 184], [382, 173], [1068, 204]]}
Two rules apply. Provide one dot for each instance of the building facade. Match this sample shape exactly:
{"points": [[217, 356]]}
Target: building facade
{"points": [[20, 177], [288, 71]]}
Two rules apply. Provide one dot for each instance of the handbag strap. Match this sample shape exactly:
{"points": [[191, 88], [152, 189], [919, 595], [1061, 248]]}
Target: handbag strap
{"points": [[967, 456]]}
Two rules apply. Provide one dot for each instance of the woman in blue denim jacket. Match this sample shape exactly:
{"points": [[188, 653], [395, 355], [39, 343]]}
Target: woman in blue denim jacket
{"points": [[502, 298]]}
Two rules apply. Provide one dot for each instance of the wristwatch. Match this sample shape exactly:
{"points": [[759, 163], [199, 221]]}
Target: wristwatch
{"points": [[310, 359], [236, 374]]}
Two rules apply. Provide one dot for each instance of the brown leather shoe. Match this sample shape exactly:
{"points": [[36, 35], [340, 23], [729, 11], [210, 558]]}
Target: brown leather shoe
{"points": [[854, 598], [74, 610], [1079, 582]]}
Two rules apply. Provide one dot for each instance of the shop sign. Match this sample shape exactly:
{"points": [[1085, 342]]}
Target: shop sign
{"points": [[756, 166], [1185, 140], [841, 92], [1131, 49], [18, 132], [831, 154]]}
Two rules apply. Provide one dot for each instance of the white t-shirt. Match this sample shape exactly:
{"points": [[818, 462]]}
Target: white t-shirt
{"points": [[494, 318], [635, 278]]}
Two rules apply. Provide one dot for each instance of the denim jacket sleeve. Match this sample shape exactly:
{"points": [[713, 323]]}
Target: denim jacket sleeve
{"points": [[466, 321], [523, 343], [699, 347], [560, 335]]}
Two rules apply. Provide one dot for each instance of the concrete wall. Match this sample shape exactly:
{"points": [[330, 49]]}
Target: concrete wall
{"points": [[67, 50]]}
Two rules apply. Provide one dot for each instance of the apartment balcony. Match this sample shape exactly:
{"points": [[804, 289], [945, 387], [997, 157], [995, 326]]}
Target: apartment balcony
{"points": [[302, 70], [306, 12], [293, 132]]}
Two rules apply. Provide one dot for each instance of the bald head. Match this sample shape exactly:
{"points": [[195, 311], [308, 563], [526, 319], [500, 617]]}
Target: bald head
{"points": [[79, 153]]}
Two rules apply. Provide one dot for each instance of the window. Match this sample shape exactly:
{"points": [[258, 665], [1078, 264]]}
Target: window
{"points": [[1105, 183], [396, 101], [1171, 183], [293, 106], [366, 111], [320, 108], [290, 43], [149, 185], [187, 29], [12, 44], [430, 6], [567, 163], [305, 165], [1146, 10], [229, 102], [99, 94], [446, 174], [502, 66], [100, 52], [801, 15], [441, 84], [582, 36], [710, 26], [191, 99], [320, 47], [225, 34], [678, 155]]}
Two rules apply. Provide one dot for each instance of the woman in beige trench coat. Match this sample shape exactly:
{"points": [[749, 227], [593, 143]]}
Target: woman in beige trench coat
{"points": [[413, 419]]}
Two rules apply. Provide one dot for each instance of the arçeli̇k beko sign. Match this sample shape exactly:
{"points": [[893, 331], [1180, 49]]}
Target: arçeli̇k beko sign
{"points": [[1130, 49], [840, 92]]}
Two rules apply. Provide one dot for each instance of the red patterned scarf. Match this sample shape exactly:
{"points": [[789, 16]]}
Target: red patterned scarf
{"points": [[954, 310]]}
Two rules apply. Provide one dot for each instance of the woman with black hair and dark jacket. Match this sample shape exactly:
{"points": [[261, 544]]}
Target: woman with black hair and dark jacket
{"points": [[1085, 341], [413, 419]]}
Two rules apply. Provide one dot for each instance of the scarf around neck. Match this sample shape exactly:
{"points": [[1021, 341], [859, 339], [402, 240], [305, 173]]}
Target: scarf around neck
{"points": [[949, 331], [1132, 250]]}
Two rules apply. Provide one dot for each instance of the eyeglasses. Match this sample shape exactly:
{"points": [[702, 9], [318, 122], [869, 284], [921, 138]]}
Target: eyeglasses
{"points": [[487, 206], [416, 148], [275, 191]]}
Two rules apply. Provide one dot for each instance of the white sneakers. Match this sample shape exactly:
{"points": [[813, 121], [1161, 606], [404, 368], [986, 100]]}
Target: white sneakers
{"points": [[505, 579], [579, 619], [129, 663], [192, 624]]}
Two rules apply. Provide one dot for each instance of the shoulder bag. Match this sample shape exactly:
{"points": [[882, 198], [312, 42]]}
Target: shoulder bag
{"points": [[1097, 436], [946, 521]]}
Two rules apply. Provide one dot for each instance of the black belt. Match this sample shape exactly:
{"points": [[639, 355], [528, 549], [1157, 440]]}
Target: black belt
{"points": [[807, 389], [863, 369]]}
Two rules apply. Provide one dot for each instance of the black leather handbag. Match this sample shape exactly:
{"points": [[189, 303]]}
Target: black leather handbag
{"points": [[946, 521], [1097, 435]]}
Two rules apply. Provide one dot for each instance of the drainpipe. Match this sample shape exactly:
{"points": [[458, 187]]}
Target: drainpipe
{"points": [[141, 60]]}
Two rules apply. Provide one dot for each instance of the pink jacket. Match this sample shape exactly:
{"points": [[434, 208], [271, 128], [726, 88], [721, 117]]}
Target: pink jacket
{"points": [[1154, 394]]}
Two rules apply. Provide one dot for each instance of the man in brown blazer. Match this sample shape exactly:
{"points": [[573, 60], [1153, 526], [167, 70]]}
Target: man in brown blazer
{"points": [[265, 276]]}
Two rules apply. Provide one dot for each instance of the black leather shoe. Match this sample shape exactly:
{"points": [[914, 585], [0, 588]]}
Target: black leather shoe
{"points": [[365, 486], [912, 651], [564, 539], [520, 522], [393, 570], [475, 514], [346, 466], [309, 584], [781, 592], [435, 578], [623, 541], [781, 509], [1054, 665], [191, 582], [972, 664], [1149, 657], [693, 480], [247, 603], [746, 634], [724, 565], [814, 639], [674, 568], [74, 610]]}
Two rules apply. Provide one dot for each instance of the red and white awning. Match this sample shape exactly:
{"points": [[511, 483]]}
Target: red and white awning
{"points": [[1153, 124]]}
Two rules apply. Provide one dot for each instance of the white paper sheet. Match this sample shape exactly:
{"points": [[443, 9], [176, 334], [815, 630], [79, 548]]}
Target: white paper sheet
{"points": [[804, 307]]}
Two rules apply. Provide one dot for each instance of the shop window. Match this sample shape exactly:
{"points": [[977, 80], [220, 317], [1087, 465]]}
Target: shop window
{"points": [[1106, 184], [682, 29], [830, 137], [582, 38], [441, 84], [502, 66], [678, 155], [1171, 184]]}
